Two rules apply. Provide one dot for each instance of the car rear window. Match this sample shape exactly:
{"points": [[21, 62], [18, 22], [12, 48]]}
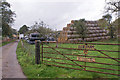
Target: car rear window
{"points": [[35, 35]]}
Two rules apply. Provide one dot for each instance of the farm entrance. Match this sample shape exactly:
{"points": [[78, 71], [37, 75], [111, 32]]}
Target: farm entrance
{"points": [[91, 57]]}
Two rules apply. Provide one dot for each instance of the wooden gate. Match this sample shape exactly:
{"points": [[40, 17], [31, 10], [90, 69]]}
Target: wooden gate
{"points": [[91, 57]]}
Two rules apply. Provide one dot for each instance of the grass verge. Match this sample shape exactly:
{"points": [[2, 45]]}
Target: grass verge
{"points": [[5, 43]]}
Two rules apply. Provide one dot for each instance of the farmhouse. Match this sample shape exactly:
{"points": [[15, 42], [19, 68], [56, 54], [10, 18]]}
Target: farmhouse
{"points": [[94, 33]]}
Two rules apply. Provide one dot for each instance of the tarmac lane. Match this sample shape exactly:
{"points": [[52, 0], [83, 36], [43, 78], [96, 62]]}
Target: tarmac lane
{"points": [[10, 65]]}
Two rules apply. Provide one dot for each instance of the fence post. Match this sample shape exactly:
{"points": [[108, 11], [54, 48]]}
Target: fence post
{"points": [[37, 52], [57, 44], [85, 56], [42, 52]]}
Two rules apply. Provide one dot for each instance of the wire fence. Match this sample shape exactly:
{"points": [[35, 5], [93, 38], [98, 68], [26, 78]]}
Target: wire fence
{"points": [[29, 49]]}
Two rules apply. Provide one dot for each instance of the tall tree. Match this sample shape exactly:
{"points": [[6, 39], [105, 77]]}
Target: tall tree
{"points": [[108, 18], [7, 18], [14, 31], [103, 23], [23, 29], [112, 6], [41, 27], [116, 24], [111, 29], [81, 28]]}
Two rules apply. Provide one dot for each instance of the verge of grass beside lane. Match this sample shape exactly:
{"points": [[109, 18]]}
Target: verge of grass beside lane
{"points": [[5, 43]]}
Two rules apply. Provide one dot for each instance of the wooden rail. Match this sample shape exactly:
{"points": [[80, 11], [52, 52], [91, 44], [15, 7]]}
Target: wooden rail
{"points": [[75, 62]]}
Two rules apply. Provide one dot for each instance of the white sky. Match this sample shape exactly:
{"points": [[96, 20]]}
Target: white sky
{"points": [[56, 13]]}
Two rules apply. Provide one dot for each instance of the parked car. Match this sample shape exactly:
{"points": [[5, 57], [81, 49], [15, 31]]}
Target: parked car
{"points": [[42, 39], [50, 39], [33, 37]]}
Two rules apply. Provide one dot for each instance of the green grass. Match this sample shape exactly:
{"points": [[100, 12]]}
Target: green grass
{"points": [[5, 43], [27, 61]]}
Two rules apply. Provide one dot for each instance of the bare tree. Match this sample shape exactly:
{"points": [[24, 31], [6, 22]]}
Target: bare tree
{"points": [[41, 27], [112, 6]]}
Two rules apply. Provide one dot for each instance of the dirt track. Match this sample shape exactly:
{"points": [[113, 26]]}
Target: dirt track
{"points": [[10, 66]]}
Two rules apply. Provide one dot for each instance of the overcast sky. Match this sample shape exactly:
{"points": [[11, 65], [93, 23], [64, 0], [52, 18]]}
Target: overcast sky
{"points": [[56, 13]]}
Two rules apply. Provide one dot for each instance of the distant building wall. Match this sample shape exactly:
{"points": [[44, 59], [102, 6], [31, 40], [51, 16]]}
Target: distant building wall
{"points": [[21, 36]]}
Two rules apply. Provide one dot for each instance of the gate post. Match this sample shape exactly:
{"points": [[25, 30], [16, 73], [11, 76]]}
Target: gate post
{"points": [[57, 44], [85, 56], [42, 52], [37, 52]]}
